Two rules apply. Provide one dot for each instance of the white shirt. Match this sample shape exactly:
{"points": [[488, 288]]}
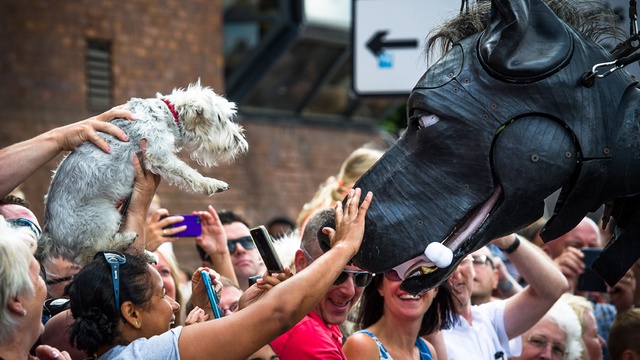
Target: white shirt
{"points": [[485, 339]]}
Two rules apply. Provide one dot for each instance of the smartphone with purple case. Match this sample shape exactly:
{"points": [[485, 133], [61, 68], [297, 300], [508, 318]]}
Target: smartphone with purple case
{"points": [[193, 223]]}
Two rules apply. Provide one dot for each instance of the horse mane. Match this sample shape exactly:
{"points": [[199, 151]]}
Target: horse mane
{"points": [[593, 19]]}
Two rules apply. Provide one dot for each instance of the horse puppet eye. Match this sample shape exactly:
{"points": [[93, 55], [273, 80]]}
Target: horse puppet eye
{"points": [[426, 120]]}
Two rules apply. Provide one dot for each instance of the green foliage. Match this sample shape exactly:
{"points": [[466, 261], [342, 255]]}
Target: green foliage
{"points": [[396, 119]]}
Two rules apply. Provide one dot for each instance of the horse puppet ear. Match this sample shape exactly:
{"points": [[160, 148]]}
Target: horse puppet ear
{"points": [[524, 41]]}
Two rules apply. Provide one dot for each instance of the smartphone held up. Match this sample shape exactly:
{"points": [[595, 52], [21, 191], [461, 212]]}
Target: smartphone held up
{"points": [[211, 294], [264, 243], [193, 223], [590, 280]]}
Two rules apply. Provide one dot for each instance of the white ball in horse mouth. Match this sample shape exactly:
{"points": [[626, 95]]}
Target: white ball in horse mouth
{"points": [[441, 255]]}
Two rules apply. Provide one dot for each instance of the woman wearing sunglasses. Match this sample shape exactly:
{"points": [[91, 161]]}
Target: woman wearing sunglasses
{"points": [[121, 310], [22, 292], [393, 321]]}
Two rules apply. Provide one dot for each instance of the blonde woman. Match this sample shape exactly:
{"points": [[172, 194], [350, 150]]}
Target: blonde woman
{"points": [[335, 188], [167, 266]]}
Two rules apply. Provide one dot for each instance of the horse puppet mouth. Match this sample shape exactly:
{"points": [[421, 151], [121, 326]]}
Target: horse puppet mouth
{"points": [[438, 257]]}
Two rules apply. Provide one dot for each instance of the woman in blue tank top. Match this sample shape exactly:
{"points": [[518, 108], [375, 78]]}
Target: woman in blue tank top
{"points": [[393, 321]]}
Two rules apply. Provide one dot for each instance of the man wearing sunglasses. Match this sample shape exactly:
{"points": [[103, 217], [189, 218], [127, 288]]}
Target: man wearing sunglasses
{"points": [[318, 335], [245, 258]]}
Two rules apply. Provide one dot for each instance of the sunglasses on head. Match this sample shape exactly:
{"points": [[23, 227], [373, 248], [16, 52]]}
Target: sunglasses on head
{"points": [[245, 241], [58, 280], [360, 278], [22, 222], [114, 259], [482, 260]]}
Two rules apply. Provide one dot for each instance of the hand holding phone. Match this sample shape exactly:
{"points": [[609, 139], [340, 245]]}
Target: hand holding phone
{"points": [[211, 294], [193, 223], [264, 243]]}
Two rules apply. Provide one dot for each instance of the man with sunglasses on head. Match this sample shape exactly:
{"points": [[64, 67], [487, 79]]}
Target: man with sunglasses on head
{"points": [[59, 272], [492, 280], [318, 335], [16, 211], [245, 258]]}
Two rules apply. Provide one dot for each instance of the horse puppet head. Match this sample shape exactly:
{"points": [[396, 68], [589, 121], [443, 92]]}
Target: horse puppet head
{"points": [[499, 123]]}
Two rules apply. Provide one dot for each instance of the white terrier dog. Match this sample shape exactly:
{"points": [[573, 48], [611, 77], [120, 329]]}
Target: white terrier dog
{"points": [[81, 215]]}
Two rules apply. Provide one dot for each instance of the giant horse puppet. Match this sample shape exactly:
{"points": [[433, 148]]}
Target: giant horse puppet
{"points": [[505, 118]]}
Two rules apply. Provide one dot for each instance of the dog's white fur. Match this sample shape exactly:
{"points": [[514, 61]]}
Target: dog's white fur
{"points": [[81, 216]]}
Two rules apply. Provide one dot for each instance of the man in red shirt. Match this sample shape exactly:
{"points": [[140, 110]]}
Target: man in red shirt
{"points": [[318, 335]]}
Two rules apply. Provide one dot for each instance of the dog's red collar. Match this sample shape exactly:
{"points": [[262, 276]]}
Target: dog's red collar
{"points": [[172, 108]]}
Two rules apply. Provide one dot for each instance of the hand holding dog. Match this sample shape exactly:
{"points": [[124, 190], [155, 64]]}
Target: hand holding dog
{"points": [[144, 187], [71, 136], [21, 160]]}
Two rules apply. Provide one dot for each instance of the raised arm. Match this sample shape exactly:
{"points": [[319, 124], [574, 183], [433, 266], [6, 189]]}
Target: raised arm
{"points": [[214, 241], [144, 187], [285, 304], [20, 160], [545, 285]]}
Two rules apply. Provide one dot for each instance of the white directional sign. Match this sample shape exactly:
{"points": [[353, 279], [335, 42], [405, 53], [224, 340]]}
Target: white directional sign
{"points": [[388, 42]]}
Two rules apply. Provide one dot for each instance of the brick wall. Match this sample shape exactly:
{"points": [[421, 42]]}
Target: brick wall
{"points": [[155, 46]]}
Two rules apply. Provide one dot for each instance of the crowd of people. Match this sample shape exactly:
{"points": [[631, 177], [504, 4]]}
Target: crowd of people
{"points": [[515, 298]]}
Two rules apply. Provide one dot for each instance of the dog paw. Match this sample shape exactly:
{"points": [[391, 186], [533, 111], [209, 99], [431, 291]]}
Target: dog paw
{"points": [[215, 186]]}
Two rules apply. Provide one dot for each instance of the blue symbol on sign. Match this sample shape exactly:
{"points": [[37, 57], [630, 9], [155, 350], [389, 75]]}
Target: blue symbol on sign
{"points": [[385, 60]]}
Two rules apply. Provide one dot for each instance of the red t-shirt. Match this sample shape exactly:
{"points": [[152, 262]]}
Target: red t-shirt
{"points": [[310, 339]]}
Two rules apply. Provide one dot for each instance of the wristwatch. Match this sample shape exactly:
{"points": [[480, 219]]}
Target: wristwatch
{"points": [[513, 247]]}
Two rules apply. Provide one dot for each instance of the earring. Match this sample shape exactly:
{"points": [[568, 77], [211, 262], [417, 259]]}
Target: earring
{"points": [[24, 312], [137, 322]]}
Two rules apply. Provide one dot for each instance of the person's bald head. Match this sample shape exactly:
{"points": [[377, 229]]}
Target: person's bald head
{"points": [[316, 222], [13, 207], [585, 235]]}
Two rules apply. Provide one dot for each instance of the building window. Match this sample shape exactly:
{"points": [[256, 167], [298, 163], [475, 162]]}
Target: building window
{"points": [[98, 75]]}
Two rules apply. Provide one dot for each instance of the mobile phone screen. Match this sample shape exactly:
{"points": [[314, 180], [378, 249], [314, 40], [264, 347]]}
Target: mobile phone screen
{"points": [[211, 294]]}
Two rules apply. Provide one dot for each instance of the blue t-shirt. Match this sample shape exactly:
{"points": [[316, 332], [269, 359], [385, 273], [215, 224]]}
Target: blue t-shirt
{"points": [[163, 346]]}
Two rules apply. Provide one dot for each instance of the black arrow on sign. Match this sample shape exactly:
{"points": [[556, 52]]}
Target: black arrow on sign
{"points": [[377, 43]]}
